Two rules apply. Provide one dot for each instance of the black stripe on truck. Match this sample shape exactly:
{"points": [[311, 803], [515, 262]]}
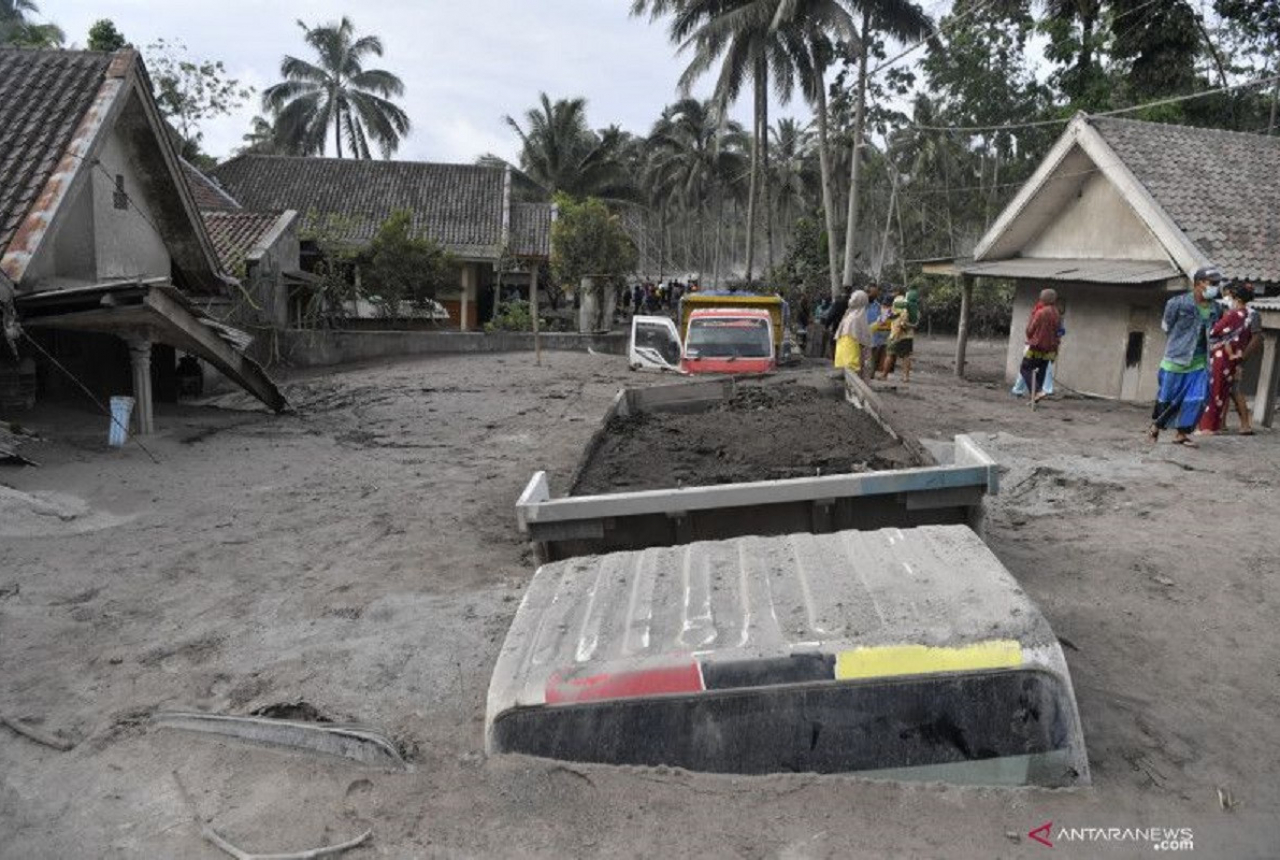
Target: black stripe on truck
{"points": [[792, 669]]}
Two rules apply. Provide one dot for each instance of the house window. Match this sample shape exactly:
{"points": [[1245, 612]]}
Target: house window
{"points": [[120, 198], [1133, 350]]}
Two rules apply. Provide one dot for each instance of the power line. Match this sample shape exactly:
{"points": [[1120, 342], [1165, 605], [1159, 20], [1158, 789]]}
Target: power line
{"points": [[1117, 111]]}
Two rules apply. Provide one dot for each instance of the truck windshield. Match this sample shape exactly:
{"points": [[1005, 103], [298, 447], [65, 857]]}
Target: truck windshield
{"points": [[729, 338]]}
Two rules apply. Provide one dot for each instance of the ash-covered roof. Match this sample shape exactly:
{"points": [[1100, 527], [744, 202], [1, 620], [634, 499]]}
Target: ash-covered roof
{"points": [[208, 194], [459, 206], [1221, 188], [43, 98], [531, 230], [237, 232]]}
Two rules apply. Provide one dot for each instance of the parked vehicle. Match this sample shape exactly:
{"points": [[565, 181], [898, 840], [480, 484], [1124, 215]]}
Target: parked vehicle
{"points": [[849, 623], [735, 333]]}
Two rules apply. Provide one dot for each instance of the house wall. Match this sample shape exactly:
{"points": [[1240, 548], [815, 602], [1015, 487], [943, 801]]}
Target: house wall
{"points": [[264, 277], [1100, 319], [126, 242], [1096, 224], [468, 285]]}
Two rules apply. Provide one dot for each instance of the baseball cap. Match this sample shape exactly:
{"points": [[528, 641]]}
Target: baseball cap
{"points": [[1207, 273]]}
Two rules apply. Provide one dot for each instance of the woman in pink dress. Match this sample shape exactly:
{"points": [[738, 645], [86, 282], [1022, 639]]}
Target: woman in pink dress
{"points": [[1227, 341]]}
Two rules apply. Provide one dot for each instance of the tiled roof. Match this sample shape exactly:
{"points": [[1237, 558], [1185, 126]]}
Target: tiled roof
{"points": [[207, 193], [1222, 188], [458, 205], [236, 232], [43, 97], [531, 229]]}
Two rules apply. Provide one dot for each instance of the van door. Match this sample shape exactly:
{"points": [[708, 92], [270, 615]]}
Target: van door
{"points": [[655, 344]]}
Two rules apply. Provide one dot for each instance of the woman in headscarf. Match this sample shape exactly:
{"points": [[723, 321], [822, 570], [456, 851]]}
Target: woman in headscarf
{"points": [[902, 334], [1228, 339], [853, 335]]}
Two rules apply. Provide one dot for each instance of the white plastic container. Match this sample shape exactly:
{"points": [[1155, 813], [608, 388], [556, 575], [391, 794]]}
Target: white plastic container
{"points": [[121, 413]]}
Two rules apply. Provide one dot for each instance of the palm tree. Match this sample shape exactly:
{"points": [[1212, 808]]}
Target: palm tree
{"points": [[338, 92], [741, 37], [18, 30], [792, 146], [903, 20], [560, 153], [693, 156]]}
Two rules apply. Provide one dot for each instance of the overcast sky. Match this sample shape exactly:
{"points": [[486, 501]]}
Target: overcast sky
{"points": [[465, 63]]}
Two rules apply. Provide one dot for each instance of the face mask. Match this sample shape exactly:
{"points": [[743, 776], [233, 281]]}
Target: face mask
{"points": [[1212, 292]]}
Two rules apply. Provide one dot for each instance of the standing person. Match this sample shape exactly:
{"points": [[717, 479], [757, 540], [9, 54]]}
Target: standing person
{"points": [[853, 335], [879, 337], [902, 333], [1255, 344], [1228, 340], [1042, 343], [880, 334], [1184, 375], [832, 319]]}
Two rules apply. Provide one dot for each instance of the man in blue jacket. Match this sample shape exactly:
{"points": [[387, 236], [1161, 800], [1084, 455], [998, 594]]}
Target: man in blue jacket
{"points": [[1184, 373]]}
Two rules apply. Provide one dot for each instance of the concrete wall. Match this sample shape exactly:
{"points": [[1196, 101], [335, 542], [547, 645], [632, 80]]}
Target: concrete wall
{"points": [[263, 276], [1099, 321], [126, 242], [303, 348], [1096, 224]]}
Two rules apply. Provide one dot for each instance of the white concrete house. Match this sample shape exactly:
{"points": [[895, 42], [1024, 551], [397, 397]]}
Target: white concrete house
{"points": [[1116, 218]]}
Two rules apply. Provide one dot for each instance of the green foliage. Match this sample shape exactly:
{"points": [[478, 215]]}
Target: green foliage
{"points": [[515, 315], [559, 152], [989, 314], [399, 266], [805, 270], [17, 28], [103, 36], [190, 90], [589, 240], [337, 93]]}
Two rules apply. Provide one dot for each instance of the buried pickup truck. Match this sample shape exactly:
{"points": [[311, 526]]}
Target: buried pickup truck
{"points": [[785, 625]]}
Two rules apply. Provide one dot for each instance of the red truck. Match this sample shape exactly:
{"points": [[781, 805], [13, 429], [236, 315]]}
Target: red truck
{"points": [[716, 340]]}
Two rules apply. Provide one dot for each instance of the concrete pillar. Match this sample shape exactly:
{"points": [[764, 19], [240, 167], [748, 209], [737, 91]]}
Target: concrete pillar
{"points": [[533, 310], [1264, 401], [962, 334], [468, 277], [140, 359]]}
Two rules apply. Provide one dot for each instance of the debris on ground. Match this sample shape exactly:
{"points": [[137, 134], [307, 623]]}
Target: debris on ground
{"points": [[360, 744]]}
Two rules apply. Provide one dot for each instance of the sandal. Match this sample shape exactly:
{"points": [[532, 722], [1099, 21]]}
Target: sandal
{"points": [[1248, 432], [1187, 442], [1153, 434]]}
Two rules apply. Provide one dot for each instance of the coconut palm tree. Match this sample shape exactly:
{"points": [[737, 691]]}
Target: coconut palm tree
{"points": [[792, 145], [740, 37], [693, 156], [338, 92], [16, 27], [560, 153]]}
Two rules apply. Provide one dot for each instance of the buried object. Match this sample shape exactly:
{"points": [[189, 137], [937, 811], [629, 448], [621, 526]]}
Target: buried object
{"points": [[354, 742], [897, 653]]}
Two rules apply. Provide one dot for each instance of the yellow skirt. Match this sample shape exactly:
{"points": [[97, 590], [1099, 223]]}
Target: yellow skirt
{"points": [[849, 353]]}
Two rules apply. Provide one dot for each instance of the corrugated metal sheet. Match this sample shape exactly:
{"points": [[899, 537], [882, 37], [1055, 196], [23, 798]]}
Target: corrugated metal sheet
{"points": [[758, 598], [1088, 271]]}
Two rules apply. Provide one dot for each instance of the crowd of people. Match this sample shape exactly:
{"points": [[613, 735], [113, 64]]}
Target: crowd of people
{"points": [[1211, 332], [870, 331], [1206, 348], [650, 298]]}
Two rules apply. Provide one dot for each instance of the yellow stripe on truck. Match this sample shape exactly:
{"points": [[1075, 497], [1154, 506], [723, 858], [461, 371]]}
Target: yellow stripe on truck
{"points": [[882, 661]]}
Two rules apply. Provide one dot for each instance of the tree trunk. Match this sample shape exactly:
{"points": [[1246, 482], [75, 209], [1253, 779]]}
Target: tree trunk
{"points": [[828, 204], [1275, 97], [337, 132], [767, 184], [851, 228], [755, 176]]}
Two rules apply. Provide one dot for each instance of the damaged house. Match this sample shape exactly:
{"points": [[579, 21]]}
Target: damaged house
{"points": [[108, 267]]}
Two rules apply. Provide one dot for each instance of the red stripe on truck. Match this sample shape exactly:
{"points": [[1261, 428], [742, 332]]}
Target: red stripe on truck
{"points": [[624, 685]]}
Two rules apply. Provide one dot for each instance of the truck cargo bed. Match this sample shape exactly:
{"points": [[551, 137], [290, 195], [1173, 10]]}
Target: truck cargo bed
{"points": [[926, 494]]}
